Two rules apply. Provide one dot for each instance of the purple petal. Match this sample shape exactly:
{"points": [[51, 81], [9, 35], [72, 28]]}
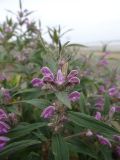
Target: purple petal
{"points": [[47, 72], [73, 73], [101, 89], [36, 82], [112, 91], [48, 79], [74, 80], [74, 96], [4, 127], [98, 116], [103, 62], [103, 140], [3, 115], [100, 103], [117, 108], [48, 112], [3, 141], [60, 78]]}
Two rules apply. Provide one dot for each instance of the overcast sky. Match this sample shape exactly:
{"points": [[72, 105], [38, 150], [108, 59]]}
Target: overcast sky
{"points": [[91, 20]]}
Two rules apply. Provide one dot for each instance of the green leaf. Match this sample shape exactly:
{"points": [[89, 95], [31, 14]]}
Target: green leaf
{"points": [[26, 91], [26, 129], [40, 103], [76, 45], [106, 153], [59, 148], [106, 104], [77, 146], [17, 146], [82, 103], [63, 97], [89, 122]]}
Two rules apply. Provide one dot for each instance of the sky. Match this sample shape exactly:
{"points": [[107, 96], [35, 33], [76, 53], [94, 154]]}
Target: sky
{"points": [[90, 20]]}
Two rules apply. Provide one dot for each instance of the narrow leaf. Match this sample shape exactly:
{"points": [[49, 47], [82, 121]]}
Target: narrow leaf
{"points": [[89, 122], [17, 146], [106, 104], [59, 148], [24, 130], [63, 97]]}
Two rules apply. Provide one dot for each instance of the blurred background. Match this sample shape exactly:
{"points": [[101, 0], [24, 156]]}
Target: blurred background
{"points": [[92, 22]]}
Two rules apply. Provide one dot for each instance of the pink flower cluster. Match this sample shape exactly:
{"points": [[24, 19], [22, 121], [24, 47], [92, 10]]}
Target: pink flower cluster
{"points": [[57, 81]]}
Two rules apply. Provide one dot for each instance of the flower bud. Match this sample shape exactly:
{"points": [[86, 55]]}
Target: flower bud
{"points": [[73, 73], [36, 82], [4, 128], [3, 115], [48, 112], [74, 96], [47, 72], [98, 116], [103, 140], [3, 141]]}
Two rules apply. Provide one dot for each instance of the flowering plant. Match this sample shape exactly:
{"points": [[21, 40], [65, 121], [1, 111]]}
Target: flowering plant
{"points": [[55, 104]]}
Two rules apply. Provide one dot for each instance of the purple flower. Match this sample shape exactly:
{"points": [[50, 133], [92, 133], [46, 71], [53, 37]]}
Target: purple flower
{"points": [[74, 96], [117, 109], [48, 112], [101, 89], [112, 91], [60, 79], [4, 127], [103, 62], [36, 82], [98, 116], [103, 140], [3, 115], [73, 73], [48, 79], [74, 80], [100, 103], [3, 141], [47, 72]]}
